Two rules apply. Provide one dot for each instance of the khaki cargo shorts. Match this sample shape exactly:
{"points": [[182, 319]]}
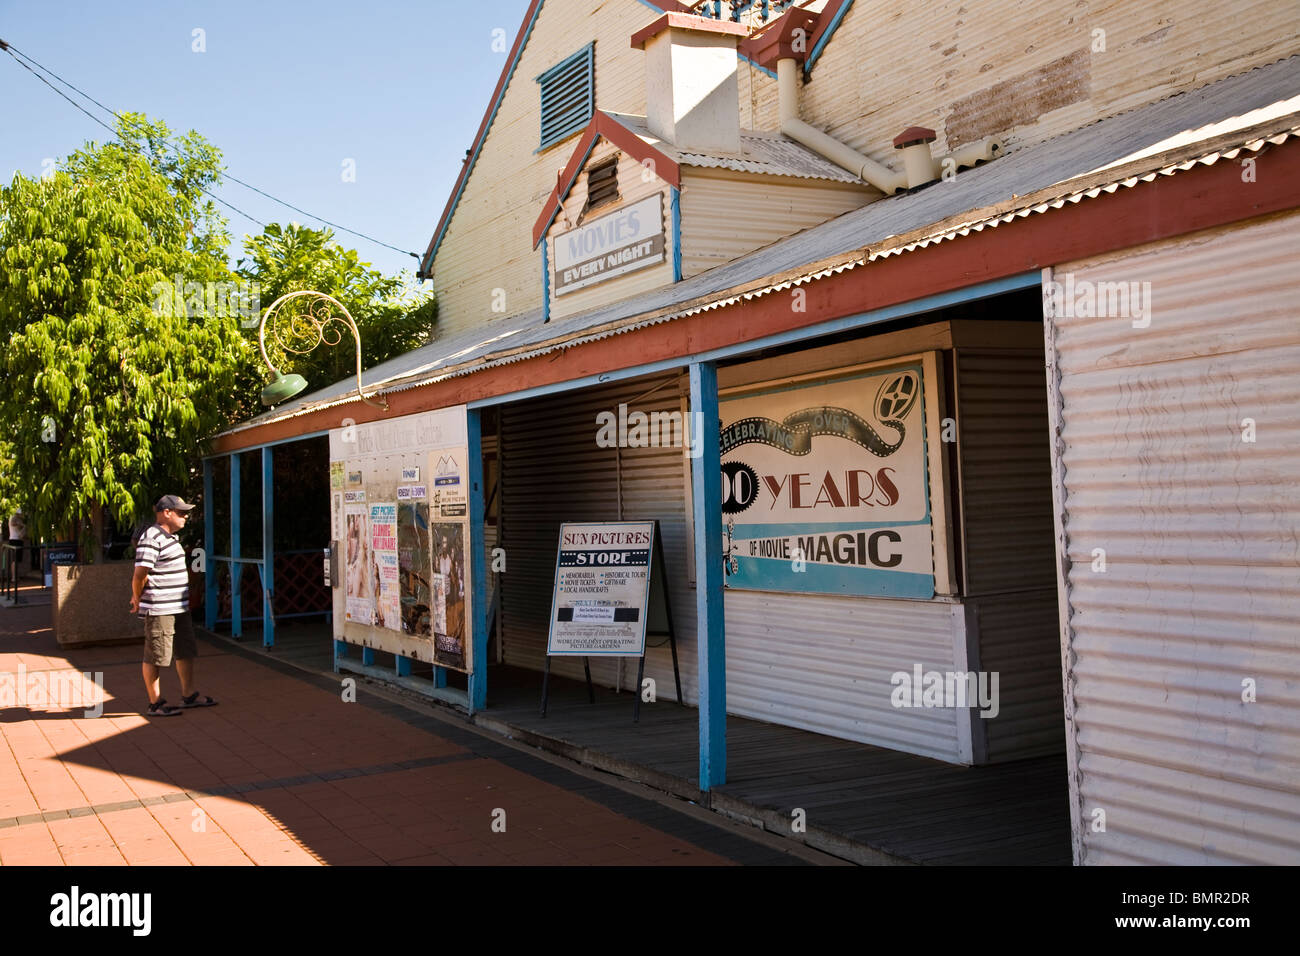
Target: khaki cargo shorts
{"points": [[168, 637]]}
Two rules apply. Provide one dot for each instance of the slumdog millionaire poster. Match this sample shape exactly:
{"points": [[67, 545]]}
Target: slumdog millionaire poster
{"points": [[825, 487]]}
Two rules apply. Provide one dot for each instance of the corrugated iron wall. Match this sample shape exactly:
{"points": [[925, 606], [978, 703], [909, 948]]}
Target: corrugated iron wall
{"points": [[1009, 569], [1198, 606], [824, 663], [816, 662], [552, 472]]}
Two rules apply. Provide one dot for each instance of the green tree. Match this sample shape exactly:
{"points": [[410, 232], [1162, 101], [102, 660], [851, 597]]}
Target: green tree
{"points": [[392, 316], [111, 379]]}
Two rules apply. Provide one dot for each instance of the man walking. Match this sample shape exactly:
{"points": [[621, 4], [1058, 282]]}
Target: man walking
{"points": [[160, 593]]}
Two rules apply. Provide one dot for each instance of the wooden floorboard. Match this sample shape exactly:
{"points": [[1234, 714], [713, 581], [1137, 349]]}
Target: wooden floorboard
{"points": [[914, 807]]}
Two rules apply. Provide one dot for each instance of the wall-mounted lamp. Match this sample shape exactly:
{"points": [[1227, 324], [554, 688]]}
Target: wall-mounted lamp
{"points": [[312, 323]]}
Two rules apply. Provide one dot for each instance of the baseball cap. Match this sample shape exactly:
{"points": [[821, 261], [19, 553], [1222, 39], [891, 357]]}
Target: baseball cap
{"points": [[172, 502]]}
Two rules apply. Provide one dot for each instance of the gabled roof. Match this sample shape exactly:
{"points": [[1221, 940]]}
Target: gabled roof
{"points": [[507, 73], [830, 19], [1248, 112], [761, 153]]}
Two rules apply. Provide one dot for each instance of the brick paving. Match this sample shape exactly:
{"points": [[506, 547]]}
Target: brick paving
{"points": [[284, 772]]}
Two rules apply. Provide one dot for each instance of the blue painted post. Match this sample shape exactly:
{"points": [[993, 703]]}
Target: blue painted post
{"points": [[209, 548], [706, 492], [268, 546], [478, 564], [403, 665], [340, 652], [675, 208], [367, 655], [440, 677], [236, 569]]}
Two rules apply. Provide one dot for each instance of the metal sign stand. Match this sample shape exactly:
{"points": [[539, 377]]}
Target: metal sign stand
{"points": [[656, 561]]}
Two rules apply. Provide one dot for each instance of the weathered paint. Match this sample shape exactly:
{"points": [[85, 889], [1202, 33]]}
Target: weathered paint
{"points": [[706, 495], [268, 547], [209, 547], [236, 600], [478, 566], [1194, 611], [1198, 198]]}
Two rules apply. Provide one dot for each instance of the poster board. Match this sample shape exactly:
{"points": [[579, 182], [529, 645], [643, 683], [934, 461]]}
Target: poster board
{"points": [[825, 485], [400, 505], [600, 599]]}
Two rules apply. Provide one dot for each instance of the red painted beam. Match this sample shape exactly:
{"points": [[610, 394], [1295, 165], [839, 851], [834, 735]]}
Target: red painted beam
{"points": [[1200, 198]]}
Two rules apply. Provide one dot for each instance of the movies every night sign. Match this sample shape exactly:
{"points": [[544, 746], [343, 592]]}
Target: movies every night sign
{"points": [[825, 489], [622, 241]]}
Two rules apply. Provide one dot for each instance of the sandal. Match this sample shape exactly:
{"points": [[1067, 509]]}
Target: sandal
{"points": [[162, 709], [197, 700]]}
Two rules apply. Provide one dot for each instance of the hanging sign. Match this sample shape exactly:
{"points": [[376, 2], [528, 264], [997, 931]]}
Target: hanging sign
{"points": [[825, 488], [602, 589]]}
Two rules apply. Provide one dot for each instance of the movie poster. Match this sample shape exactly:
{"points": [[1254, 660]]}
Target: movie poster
{"points": [[825, 487], [449, 623], [414, 559], [383, 551], [358, 580]]}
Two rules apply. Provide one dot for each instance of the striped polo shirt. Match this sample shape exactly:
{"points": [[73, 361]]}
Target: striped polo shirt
{"points": [[167, 589]]}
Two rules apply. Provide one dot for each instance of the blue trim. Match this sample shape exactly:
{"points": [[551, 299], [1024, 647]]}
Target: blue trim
{"points": [[340, 653], [267, 567], [402, 665], [478, 146], [706, 494], [585, 156], [478, 564], [546, 283], [983, 290], [563, 126], [268, 444], [826, 37], [676, 208], [236, 568], [367, 655], [773, 574], [440, 677], [209, 545]]}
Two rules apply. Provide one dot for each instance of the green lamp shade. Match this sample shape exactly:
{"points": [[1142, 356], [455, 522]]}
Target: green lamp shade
{"points": [[283, 388]]}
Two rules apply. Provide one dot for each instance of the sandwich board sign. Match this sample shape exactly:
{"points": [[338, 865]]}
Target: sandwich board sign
{"points": [[601, 598]]}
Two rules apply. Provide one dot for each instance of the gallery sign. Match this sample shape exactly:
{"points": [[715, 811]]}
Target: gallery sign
{"points": [[623, 241], [825, 487]]}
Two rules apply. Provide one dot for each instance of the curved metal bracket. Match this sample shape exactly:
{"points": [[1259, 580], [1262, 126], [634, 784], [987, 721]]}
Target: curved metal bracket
{"points": [[315, 322]]}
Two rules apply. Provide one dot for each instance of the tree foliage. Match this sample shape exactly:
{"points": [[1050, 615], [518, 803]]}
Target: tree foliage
{"points": [[107, 394], [392, 317]]}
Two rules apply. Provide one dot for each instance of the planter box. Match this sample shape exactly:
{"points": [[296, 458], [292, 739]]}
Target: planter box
{"points": [[90, 604]]}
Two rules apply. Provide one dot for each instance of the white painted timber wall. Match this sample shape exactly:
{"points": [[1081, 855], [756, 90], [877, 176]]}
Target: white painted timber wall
{"points": [[726, 214], [1198, 608]]}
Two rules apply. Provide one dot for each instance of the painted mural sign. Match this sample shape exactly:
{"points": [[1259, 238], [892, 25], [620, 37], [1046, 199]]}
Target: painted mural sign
{"points": [[600, 600], [623, 241], [825, 489]]}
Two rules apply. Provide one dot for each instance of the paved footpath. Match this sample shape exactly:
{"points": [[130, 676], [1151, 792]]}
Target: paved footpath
{"points": [[284, 772]]}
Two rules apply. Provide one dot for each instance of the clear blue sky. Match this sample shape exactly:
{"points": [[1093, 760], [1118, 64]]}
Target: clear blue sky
{"points": [[288, 90]]}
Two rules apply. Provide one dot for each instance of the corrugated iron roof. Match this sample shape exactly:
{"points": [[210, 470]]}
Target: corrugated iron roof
{"points": [[1242, 112], [766, 153]]}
